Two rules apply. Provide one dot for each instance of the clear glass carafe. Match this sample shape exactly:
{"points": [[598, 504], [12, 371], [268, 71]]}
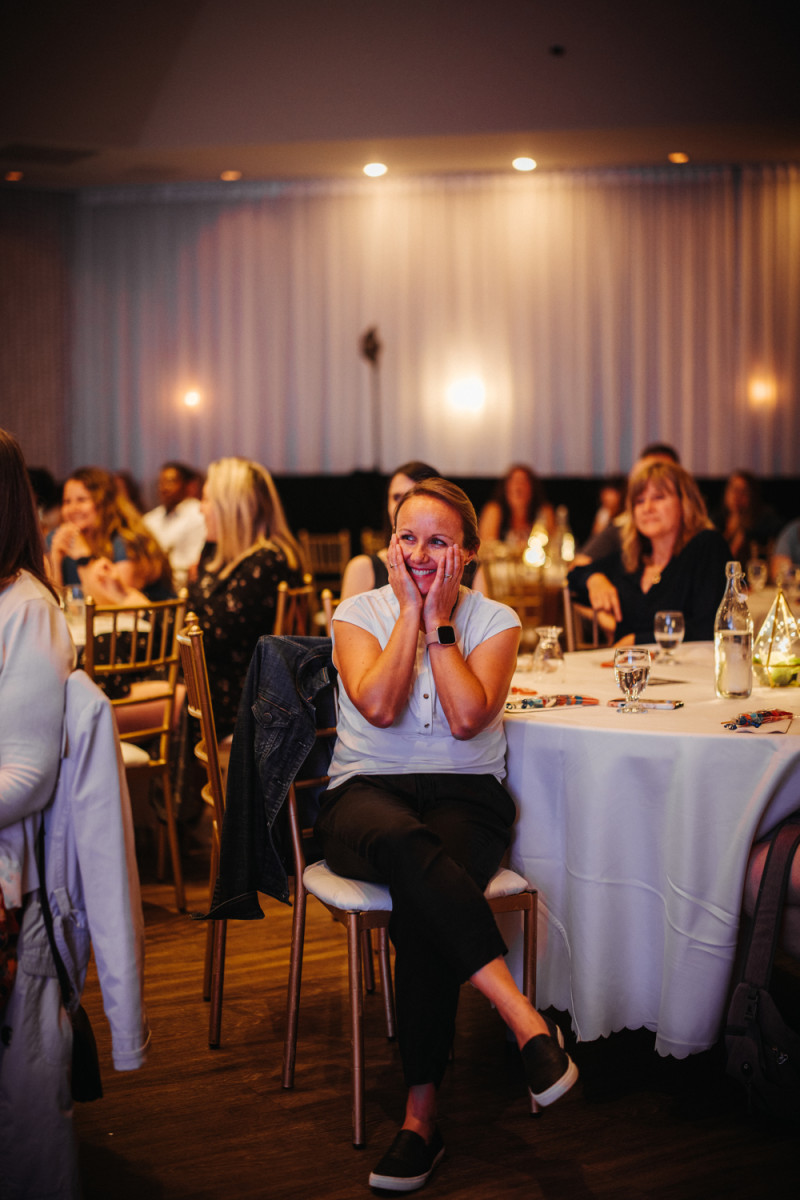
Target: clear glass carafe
{"points": [[548, 657]]}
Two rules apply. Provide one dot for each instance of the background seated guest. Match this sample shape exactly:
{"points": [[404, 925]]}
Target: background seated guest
{"points": [[606, 541], [177, 524], [612, 502], [671, 558], [235, 593], [519, 502], [415, 800], [47, 494], [97, 523], [367, 571], [129, 488], [787, 550], [748, 525]]}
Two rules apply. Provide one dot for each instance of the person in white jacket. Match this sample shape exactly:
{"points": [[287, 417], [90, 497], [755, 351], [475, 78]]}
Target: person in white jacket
{"points": [[72, 769]]}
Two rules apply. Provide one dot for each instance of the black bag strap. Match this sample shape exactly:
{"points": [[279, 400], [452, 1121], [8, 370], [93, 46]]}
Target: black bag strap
{"points": [[768, 911], [61, 970]]}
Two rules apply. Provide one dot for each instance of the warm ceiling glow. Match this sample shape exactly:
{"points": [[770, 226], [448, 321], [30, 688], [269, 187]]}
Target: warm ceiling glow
{"points": [[375, 169], [13, 176], [678, 156], [230, 176], [192, 398], [467, 395], [524, 164], [762, 391]]}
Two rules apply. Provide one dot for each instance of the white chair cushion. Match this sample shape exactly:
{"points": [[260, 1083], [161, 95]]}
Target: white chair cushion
{"points": [[351, 895], [506, 883], [355, 895], [133, 755]]}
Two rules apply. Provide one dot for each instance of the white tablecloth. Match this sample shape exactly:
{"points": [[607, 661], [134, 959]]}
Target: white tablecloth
{"points": [[636, 830]]}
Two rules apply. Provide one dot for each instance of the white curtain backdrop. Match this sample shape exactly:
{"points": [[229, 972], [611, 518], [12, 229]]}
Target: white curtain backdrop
{"points": [[600, 311]]}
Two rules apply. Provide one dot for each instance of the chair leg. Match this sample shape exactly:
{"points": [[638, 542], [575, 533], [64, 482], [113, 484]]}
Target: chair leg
{"points": [[385, 967], [357, 1026], [368, 960], [295, 979], [218, 939], [529, 935], [214, 870], [172, 835]]}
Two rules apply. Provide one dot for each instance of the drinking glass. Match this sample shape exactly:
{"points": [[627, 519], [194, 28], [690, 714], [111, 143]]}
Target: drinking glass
{"points": [[669, 629], [548, 658], [757, 574], [72, 602], [631, 671]]}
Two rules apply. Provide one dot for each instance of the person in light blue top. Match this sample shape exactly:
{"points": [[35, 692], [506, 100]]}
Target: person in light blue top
{"points": [[416, 801]]}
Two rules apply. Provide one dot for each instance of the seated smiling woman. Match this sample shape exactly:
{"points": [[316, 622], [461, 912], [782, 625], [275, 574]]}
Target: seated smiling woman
{"points": [[416, 801], [671, 558]]}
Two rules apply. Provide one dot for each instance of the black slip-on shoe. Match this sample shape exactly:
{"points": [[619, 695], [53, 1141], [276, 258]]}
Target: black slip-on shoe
{"points": [[408, 1163], [549, 1070]]}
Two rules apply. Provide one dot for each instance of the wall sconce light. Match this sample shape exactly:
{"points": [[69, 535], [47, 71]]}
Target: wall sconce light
{"points": [[524, 164], [191, 398], [762, 391], [374, 170], [467, 395]]}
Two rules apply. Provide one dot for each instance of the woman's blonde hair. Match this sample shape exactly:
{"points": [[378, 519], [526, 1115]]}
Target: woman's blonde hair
{"points": [[248, 513], [673, 478], [117, 516]]}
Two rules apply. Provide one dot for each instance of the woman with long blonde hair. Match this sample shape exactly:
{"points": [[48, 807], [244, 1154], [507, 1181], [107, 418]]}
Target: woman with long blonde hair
{"points": [[671, 558], [236, 590]]}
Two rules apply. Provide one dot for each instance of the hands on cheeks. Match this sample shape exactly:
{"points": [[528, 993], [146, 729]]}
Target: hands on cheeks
{"points": [[436, 604]]}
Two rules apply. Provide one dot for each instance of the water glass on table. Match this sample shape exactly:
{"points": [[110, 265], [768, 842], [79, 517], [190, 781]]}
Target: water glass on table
{"points": [[631, 671], [72, 602], [669, 628], [757, 574]]}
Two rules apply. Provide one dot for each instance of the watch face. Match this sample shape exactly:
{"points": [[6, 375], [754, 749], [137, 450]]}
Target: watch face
{"points": [[446, 635]]}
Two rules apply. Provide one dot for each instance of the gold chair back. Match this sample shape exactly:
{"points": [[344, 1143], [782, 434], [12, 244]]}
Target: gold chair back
{"points": [[372, 541], [135, 648], [294, 608], [327, 555], [198, 703]]}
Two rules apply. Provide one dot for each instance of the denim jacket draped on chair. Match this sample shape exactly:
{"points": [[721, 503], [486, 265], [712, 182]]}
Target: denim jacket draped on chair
{"points": [[287, 695]]}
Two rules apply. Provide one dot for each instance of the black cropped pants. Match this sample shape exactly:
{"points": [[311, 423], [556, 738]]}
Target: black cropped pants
{"points": [[436, 840]]}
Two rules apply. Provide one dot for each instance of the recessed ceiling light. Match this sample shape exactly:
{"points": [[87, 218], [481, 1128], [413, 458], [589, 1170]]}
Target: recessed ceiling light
{"points": [[13, 176], [375, 169], [524, 164], [230, 176], [678, 157]]}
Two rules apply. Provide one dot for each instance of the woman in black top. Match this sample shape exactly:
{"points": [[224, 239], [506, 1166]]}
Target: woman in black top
{"points": [[671, 558]]}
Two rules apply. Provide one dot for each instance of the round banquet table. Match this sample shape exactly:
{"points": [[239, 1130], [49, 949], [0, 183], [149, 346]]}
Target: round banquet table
{"points": [[636, 830]]}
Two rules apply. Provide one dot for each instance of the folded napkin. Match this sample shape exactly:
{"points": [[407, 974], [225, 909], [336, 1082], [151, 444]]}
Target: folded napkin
{"points": [[536, 703], [763, 720]]}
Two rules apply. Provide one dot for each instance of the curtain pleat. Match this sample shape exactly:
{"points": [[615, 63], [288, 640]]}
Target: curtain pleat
{"points": [[600, 310]]}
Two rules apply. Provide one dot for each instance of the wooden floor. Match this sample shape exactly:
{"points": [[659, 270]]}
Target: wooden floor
{"points": [[197, 1124]]}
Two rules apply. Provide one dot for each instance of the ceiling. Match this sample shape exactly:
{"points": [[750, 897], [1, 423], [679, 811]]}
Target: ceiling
{"points": [[157, 91]]}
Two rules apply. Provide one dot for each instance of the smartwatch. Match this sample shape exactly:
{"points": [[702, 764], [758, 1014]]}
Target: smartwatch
{"points": [[443, 635]]}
